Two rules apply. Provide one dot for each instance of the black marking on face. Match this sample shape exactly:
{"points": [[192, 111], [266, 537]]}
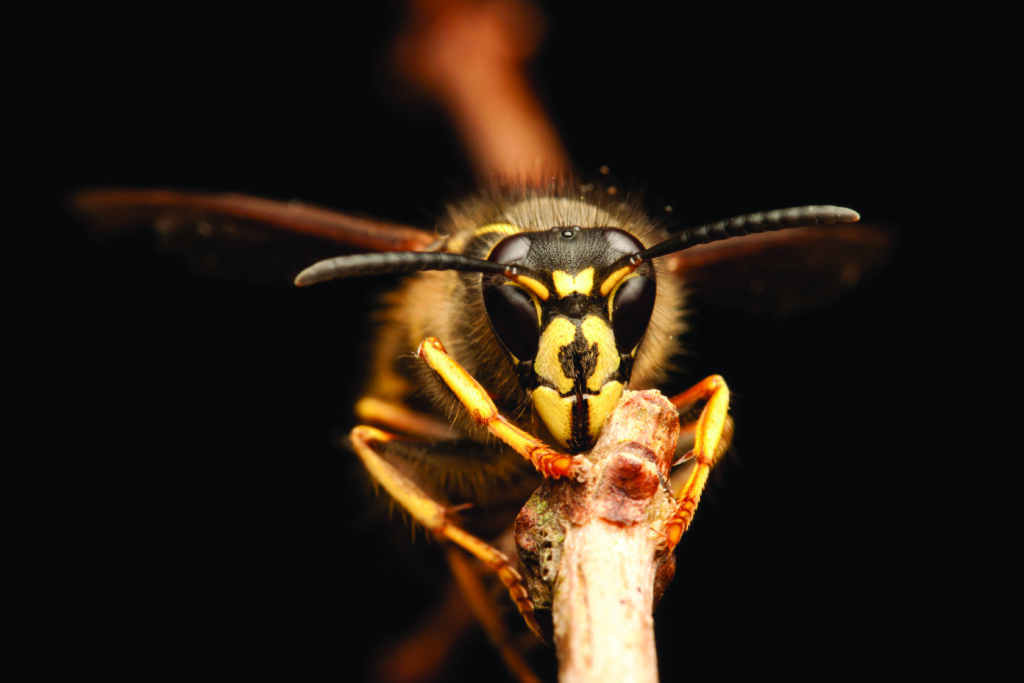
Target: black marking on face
{"points": [[579, 361]]}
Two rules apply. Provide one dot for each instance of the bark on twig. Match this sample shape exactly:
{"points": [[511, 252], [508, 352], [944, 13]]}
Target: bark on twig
{"points": [[594, 553]]}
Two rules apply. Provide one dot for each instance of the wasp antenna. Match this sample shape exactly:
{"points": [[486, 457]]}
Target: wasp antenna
{"points": [[394, 262], [764, 221]]}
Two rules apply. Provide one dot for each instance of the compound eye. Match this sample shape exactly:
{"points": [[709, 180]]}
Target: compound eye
{"points": [[511, 249], [514, 319], [631, 311], [622, 242]]}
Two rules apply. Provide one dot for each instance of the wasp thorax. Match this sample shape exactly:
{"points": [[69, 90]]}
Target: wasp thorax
{"points": [[572, 319]]}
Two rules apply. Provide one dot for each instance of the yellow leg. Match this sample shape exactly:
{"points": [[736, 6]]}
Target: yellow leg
{"points": [[395, 417], [432, 515], [711, 439], [483, 609], [474, 398]]}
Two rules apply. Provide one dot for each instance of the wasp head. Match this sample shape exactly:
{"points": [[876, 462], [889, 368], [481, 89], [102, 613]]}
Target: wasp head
{"points": [[572, 315]]}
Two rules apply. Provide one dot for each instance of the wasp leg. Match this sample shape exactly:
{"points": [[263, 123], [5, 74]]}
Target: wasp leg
{"points": [[474, 398], [433, 516], [395, 417], [483, 609], [712, 433]]}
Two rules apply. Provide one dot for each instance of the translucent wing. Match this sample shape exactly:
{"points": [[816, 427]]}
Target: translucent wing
{"points": [[241, 237], [786, 272]]}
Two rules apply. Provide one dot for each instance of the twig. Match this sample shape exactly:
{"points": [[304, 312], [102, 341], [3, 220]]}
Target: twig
{"points": [[593, 551]]}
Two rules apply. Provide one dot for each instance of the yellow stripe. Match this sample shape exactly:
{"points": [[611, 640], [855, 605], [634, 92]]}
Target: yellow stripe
{"points": [[501, 228], [615, 278], [601, 406], [596, 331], [566, 284], [535, 286], [559, 332], [555, 411]]}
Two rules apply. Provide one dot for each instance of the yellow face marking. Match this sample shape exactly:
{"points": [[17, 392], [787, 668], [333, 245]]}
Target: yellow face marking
{"points": [[602, 405], [559, 332], [596, 331], [615, 278], [566, 284], [535, 286], [611, 299], [555, 411], [556, 398]]}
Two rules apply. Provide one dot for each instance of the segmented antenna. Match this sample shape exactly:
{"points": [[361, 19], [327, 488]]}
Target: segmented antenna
{"points": [[764, 221], [393, 262], [410, 261]]}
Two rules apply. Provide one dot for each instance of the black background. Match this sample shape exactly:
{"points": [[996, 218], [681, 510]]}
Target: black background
{"points": [[184, 510]]}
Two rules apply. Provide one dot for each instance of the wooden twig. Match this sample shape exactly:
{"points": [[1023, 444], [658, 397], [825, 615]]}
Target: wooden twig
{"points": [[594, 553]]}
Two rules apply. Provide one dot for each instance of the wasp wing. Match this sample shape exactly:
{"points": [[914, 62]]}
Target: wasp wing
{"points": [[237, 236], [786, 272]]}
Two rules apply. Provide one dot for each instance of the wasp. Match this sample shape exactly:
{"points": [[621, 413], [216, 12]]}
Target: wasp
{"points": [[500, 358], [533, 313], [502, 355], [530, 315]]}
